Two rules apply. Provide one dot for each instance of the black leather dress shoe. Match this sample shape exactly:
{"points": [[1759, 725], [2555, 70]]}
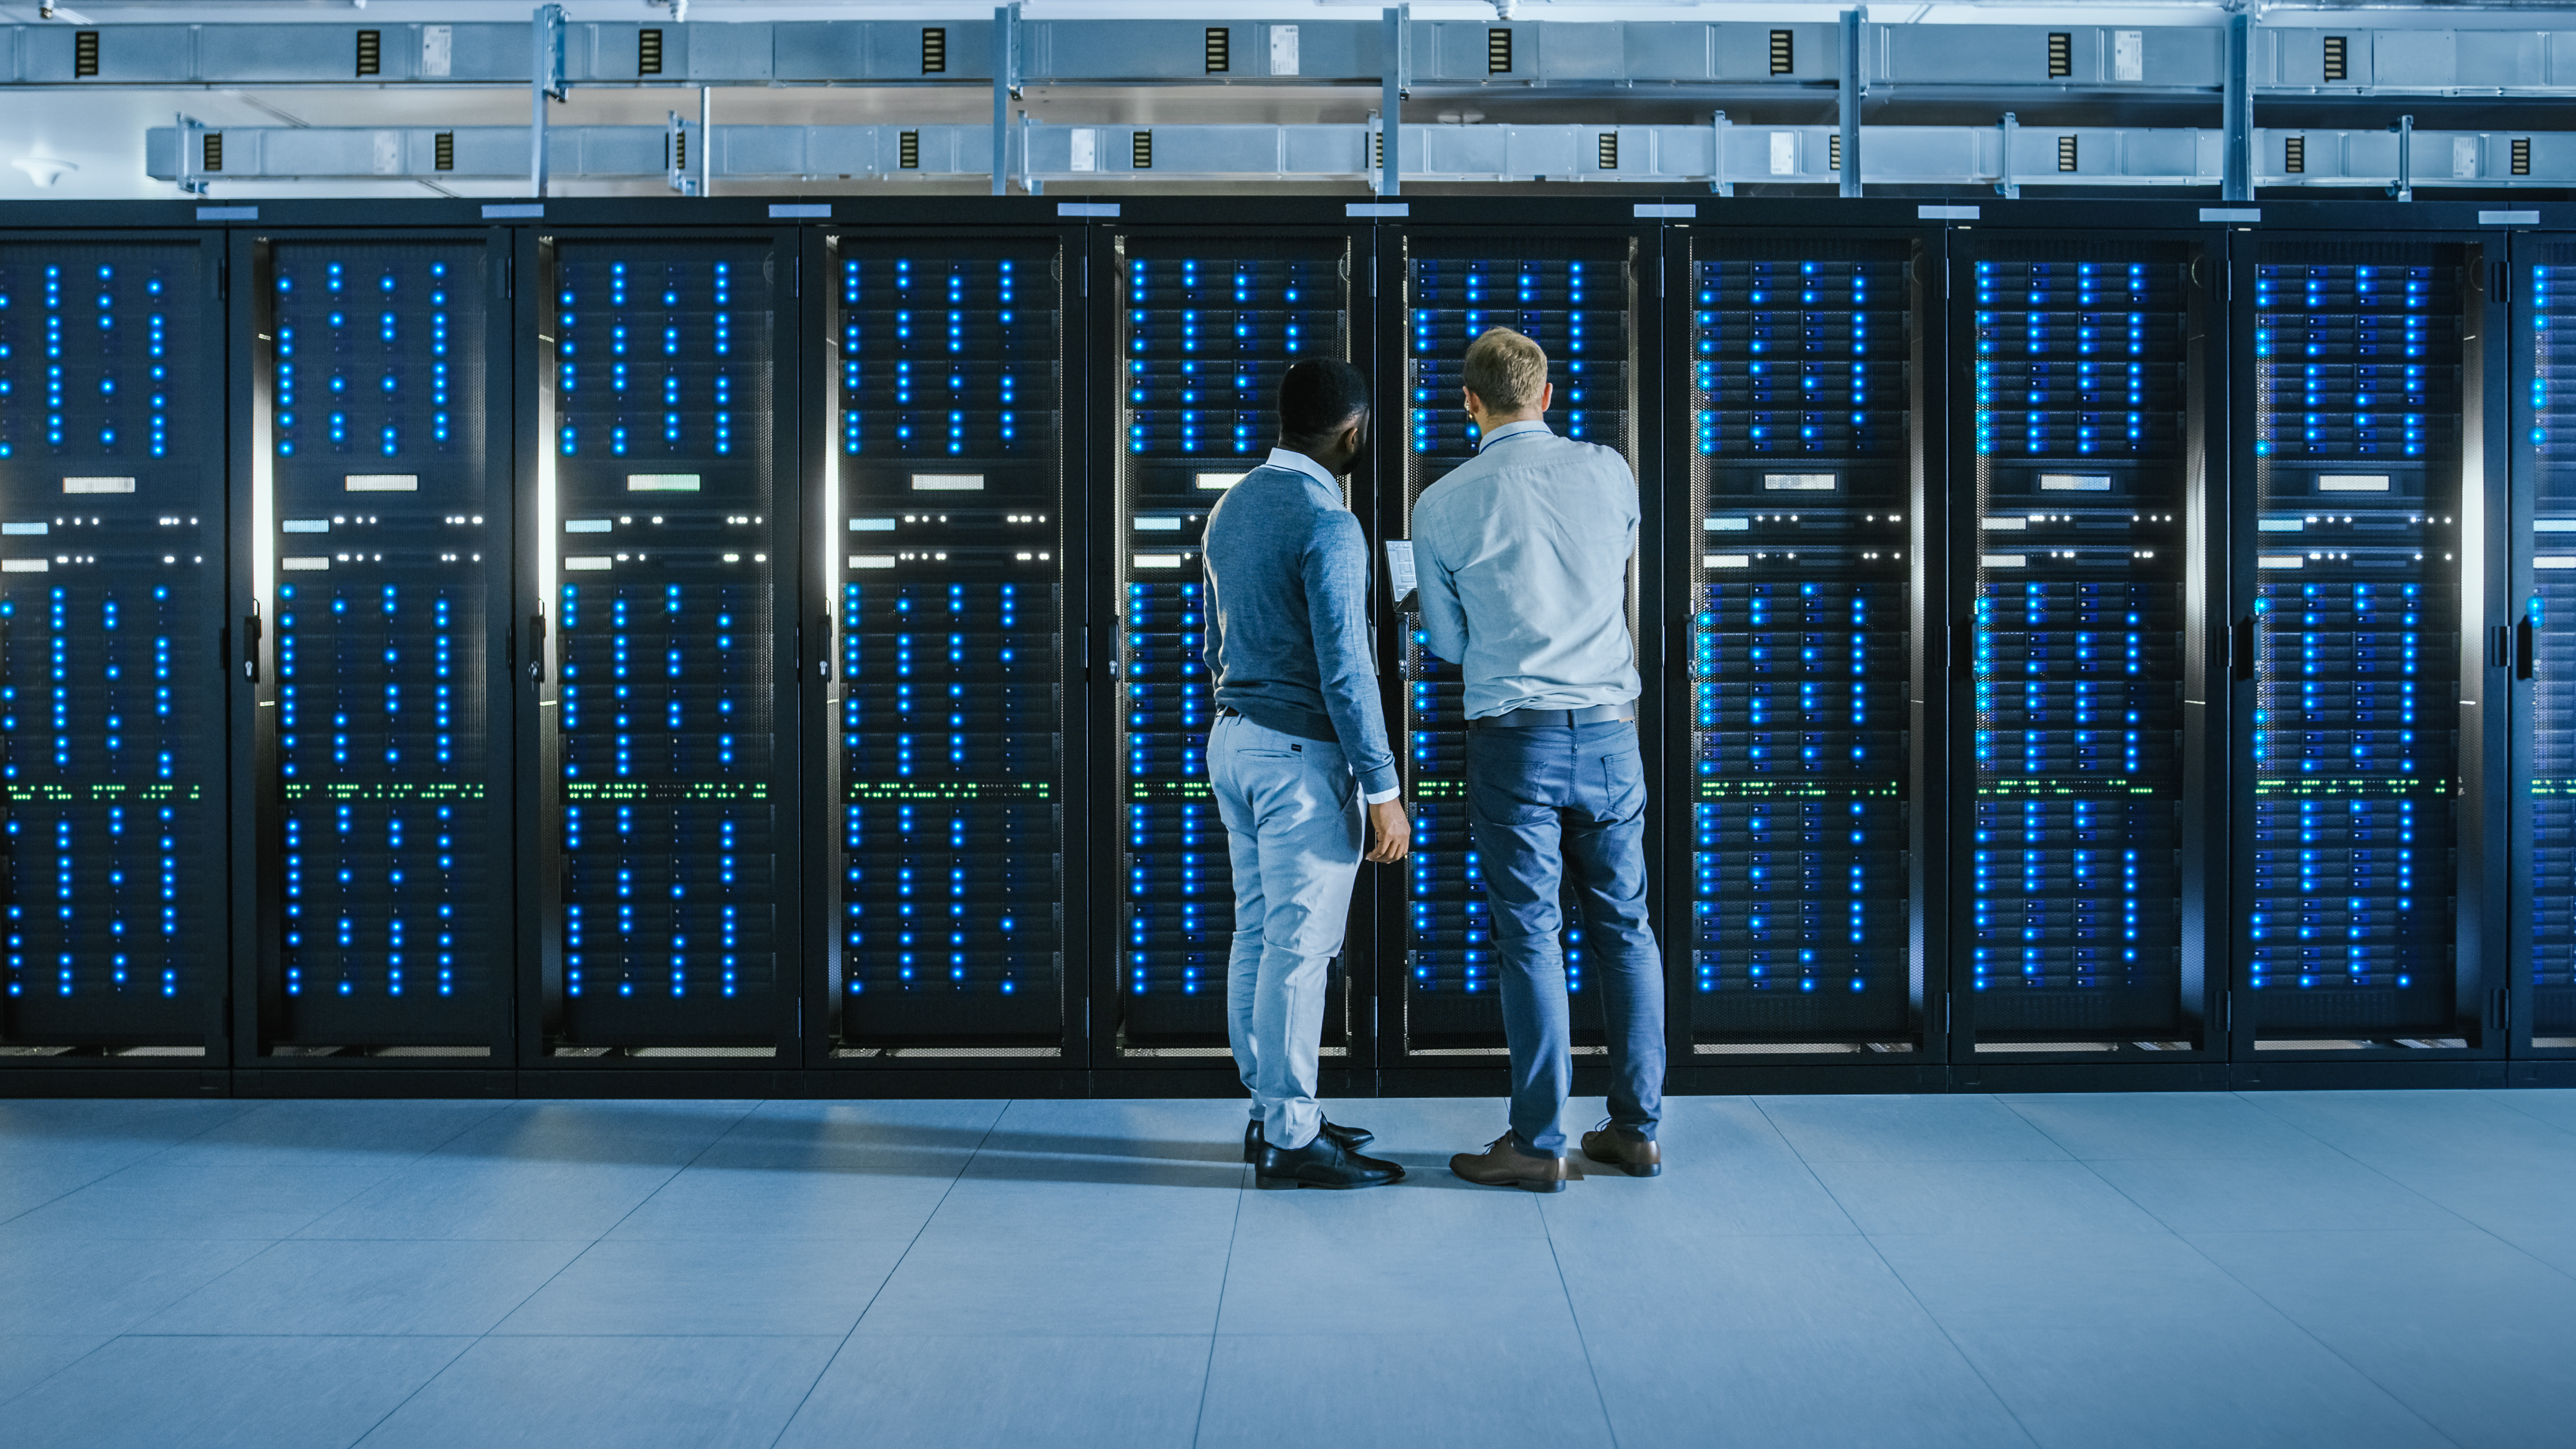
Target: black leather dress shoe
{"points": [[1322, 1163], [1353, 1138]]}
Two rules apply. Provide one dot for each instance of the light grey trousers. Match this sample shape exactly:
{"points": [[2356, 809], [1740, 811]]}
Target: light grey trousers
{"points": [[1293, 826]]}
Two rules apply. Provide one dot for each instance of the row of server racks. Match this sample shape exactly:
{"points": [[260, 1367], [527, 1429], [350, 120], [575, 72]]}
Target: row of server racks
{"points": [[733, 647]]}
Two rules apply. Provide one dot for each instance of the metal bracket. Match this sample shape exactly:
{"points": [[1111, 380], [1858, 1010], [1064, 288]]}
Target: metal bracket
{"points": [[2005, 186], [1395, 69], [192, 140], [1006, 89], [545, 83], [675, 156], [1847, 98], [1718, 181], [2404, 190]]}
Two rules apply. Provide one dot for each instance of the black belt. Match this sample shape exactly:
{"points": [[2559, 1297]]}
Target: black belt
{"points": [[1228, 712], [1558, 718]]}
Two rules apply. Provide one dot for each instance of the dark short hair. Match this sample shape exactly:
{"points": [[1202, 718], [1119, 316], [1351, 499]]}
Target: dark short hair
{"points": [[1318, 399]]}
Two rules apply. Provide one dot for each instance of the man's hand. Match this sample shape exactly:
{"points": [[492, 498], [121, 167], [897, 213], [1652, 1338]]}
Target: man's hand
{"points": [[1390, 832]]}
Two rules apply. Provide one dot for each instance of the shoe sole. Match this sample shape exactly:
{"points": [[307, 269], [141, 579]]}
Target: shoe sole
{"points": [[1289, 1184], [1633, 1169]]}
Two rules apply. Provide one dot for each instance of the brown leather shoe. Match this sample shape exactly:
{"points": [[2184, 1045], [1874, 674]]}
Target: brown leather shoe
{"points": [[1613, 1148], [1504, 1164]]}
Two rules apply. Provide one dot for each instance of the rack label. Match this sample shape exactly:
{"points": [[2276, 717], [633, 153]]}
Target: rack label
{"points": [[2554, 561], [661, 482], [872, 560], [98, 485], [871, 525], [2018, 524], [948, 482], [1219, 482], [2281, 525], [2352, 483], [301, 525], [37, 529], [2074, 482], [2007, 561], [1728, 525], [1800, 482], [1158, 560], [1728, 561], [2280, 561], [25, 566], [313, 562], [587, 561], [382, 482], [587, 525]]}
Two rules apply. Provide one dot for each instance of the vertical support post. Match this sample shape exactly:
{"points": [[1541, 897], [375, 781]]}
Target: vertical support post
{"points": [[675, 156], [706, 140], [1718, 180], [545, 81], [1006, 82], [2236, 168], [192, 148], [2404, 190], [1397, 73], [2004, 183], [1847, 103]]}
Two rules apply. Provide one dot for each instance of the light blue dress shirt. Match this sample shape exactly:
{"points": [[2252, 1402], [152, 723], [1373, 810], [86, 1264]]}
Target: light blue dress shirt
{"points": [[1522, 556]]}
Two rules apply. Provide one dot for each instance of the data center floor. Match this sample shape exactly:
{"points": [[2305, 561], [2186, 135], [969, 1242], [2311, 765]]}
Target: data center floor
{"points": [[2354, 1268]]}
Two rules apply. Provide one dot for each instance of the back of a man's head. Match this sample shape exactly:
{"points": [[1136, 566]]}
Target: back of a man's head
{"points": [[1506, 370], [1320, 398]]}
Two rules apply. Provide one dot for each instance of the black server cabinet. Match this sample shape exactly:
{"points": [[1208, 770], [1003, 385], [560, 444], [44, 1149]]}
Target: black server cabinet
{"points": [[1205, 324], [952, 420], [1574, 292], [2085, 869], [665, 519], [1809, 539], [2361, 865], [2540, 642], [379, 443], [113, 712]]}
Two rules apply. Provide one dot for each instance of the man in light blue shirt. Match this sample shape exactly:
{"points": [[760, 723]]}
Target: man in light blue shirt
{"points": [[1523, 556]]}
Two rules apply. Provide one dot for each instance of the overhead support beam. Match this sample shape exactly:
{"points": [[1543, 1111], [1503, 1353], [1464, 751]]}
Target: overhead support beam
{"points": [[1006, 86], [1397, 50], [2237, 110], [545, 81], [1847, 98]]}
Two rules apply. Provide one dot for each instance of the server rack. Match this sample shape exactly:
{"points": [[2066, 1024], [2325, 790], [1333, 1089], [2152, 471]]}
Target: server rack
{"points": [[377, 373], [2368, 862], [950, 538], [2084, 904], [114, 720], [1807, 546], [1205, 321], [2539, 550], [1574, 290], [663, 628]]}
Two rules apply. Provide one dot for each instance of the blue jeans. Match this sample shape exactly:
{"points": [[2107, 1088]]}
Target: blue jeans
{"points": [[1292, 817], [1546, 803]]}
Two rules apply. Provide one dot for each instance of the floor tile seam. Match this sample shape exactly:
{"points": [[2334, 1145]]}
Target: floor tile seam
{"points": [[2506, 1099], [1813, 1176], [382, 1419], [1216, 1325], [2311, 1336], [1574, 1315], [95, 1349], [2010, 1409], [248, 1111], [2371, 1167], [893, 1268]]}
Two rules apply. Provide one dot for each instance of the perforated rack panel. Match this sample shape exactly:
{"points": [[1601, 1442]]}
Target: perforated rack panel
{"points": [[950, 729], [112, 609], [1571, 297], [1801, 793], [670, 777], [1206, 327], [2358, 396], [392, 895], [2081, 453], [2548, 617]]}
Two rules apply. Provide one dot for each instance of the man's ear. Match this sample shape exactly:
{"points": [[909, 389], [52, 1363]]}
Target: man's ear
{"points": [[1546, 396]]}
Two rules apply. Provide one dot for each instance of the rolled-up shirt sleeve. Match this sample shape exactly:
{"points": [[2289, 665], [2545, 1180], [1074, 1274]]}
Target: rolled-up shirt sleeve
{"points": [[1336, 573]]}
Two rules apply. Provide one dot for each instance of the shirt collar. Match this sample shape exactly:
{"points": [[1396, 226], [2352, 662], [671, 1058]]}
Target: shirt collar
{"points": [[1297, 462], [1511, 430]]}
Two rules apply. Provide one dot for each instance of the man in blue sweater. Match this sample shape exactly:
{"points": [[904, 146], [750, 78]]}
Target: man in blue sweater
{"points": [[1298, 747]]}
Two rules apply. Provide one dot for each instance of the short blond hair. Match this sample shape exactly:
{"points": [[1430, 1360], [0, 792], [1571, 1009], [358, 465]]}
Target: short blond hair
{"points": [[1506, 370]]}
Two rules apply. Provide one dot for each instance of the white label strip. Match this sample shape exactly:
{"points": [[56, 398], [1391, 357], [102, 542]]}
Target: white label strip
{"points": [[2281, 525], [98, 485], [1219, 482], [25, 565], [382, 482], [947, 482], [661, 482], [1399, 567], [316, 562], [586, 561], [2352, 483], [872, 560], [2280, 561], [1729, 525], [871, 525], [1799, 482], [38, 530], [2074, 482], [2555, 561], [2015, 525], [587, 525], [1728, 561], [306, 525], [2007, 561], [2554, 525], [1158, 560], [1158, 525]]}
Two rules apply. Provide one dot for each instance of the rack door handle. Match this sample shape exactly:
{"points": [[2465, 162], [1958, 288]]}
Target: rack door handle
{"points": [[537, 647], [2524, 647], [2240, 648], [250, 646]]}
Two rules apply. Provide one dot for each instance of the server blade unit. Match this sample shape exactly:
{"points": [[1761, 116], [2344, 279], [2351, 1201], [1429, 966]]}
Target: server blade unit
{"points": [[664, 748], [1802, 452], [2358, 402], [1573, 297], [385, 864], [1206, 327], [112, 609], [2083, 453], [2546, 652], [948, 708]]}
